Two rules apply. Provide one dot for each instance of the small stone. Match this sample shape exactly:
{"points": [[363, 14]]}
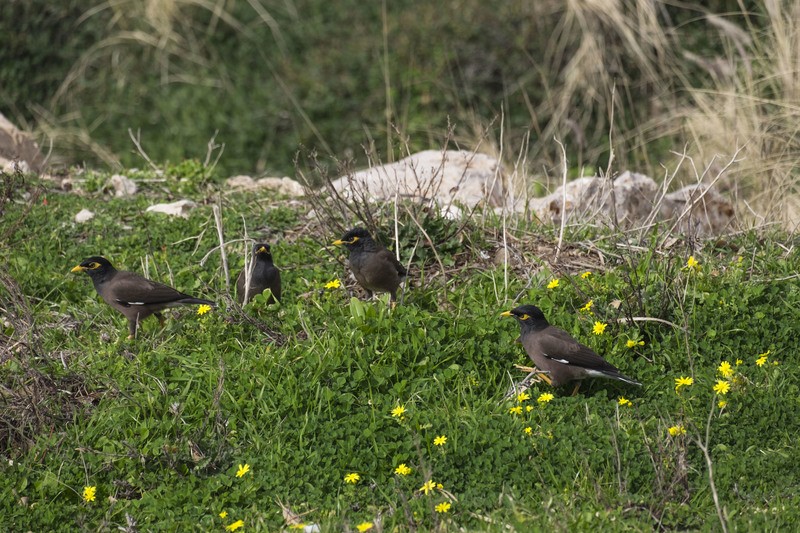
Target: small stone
{"points": [[180, 208], [84, 215], [122, 185]]}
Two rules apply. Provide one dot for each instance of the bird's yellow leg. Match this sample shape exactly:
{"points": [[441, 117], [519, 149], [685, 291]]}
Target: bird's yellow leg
{"points": [[575, 390], [540, 373]]}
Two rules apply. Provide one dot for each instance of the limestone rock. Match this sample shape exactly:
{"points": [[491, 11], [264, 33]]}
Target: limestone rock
{"points": [[702, 211], [84, 215], [180, 208], [16, 145], [453, 175], [122, 185], [591, 199], [285, 186]]}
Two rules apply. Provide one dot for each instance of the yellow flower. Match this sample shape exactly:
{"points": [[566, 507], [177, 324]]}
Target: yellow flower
{"points": [[553, 283], [442, 507], [692, 263], [528, 408], [364, 526], [721, 404], [203, 309], [674, 431], [632, 343], [89, 493], [725, 369], [242, 470], [722, 387], [599, 328], [523, 396], [440, 440], [739, 362], [439, 486], [545, 397], [588, 307], [428, 486], [683, 382], [398, 412], [236, 525], [528, 430], [335, 284], [516, 410], [352, 477], [586, 275], [762, 358], [223, 514], [624, 401], [297, 526], [402, 470]]}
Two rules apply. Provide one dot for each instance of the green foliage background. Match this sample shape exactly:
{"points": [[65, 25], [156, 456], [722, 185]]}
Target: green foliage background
{"points": [[312, 75]]}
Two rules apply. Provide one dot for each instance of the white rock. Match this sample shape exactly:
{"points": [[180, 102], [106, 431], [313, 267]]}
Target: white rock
{"points": [[240, 182], [180, 208], [466, 177], [84, 215], [122, 185], [703, 211], [451, 212], [285, 186], [13, 166], [20, 146], [590, 200]]}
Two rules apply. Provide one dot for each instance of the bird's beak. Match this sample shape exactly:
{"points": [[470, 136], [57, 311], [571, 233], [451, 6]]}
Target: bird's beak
{"points": [[261, 250], [78, 269], [506, 313], [338, 242]]}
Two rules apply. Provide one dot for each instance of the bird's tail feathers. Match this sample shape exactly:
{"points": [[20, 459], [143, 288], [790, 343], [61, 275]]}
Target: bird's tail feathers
{"points": [[623, 377]]}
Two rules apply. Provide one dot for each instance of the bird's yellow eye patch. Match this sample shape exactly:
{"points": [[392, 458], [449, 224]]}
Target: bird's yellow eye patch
{"points": [[524, 317], [261, 250], [94, 265], [354, 240]]}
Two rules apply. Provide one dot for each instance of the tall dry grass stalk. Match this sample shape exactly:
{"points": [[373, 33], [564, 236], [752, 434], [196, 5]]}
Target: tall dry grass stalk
{"points": [[754, 103]]}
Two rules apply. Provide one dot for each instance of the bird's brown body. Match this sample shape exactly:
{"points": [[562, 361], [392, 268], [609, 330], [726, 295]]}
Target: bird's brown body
{"points": [[557, 353], [132, 295], [263, 275], [374, 267]]}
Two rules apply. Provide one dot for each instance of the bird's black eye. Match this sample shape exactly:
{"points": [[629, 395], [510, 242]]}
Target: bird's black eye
{"points": [[94, 265], [524, 317]]}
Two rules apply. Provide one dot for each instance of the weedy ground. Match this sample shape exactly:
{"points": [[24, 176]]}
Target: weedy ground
{"points": [[259, 418]]}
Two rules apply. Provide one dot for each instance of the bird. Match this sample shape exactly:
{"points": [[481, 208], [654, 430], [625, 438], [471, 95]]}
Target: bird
{"points": [[132, 295], [375, 268], [263, 275], [557, 353]]}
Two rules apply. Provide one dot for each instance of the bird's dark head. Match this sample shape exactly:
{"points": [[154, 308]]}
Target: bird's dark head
{"points": [[262, 251], [97, 267], [354, 239], [528, 316]]}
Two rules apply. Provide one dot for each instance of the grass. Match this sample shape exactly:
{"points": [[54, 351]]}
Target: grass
{"points": [[161, 425]]}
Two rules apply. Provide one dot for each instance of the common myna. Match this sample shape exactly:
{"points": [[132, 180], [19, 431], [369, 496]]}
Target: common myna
{"points": [[131, 294], [263, 275], [375, 267], [555, 352]]}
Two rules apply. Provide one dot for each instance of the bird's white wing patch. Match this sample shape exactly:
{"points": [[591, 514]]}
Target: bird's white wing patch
{"points": [[562, 361], [123, 302]]}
